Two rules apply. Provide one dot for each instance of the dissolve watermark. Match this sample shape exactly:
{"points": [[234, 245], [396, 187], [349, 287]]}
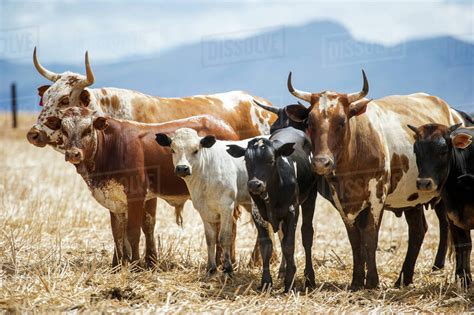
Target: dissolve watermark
{"points": [[342, 49], [242, 46], [18, 43]]}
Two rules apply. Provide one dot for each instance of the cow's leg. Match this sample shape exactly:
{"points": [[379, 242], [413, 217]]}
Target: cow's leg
{"points": [[368, 222], [219, 258], [134, 222], [417, 228], [225, 239], [463, 246], [282, 268], [235, 217], [288, 246], [211, 236], [443, 236], [266, 246], [118, 222], [358, 260], [218, 244], [148, 227], [307, 234]]}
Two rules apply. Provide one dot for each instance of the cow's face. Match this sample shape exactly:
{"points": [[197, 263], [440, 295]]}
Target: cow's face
{"points": [[77, 126], [434, 150], [328, 122], [68, 90], [186, 148], [260, 161]]}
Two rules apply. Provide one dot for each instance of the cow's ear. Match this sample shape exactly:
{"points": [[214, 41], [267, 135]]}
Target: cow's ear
{"points": [[297, 112], [85, 98], [461, 140], [208, 141], [358, 108], [163, 139], [42, 89], [286, 149], [53, 123], [100, 123], [235, 150]]}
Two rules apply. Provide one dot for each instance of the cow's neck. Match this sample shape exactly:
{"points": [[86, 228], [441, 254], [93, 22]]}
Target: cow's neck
{"points": [[457, 166], [104, 146]]}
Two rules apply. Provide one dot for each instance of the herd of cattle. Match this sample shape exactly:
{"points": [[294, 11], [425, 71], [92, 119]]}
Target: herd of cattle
{"points": [[224, 151]]}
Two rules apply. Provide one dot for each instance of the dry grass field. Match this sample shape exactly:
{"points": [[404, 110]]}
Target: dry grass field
{"points": [[56, 252]]}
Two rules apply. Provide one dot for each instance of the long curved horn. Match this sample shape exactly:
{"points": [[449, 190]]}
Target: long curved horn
{"points": [[358, 95], [89, 74], [272, 109], [51, 76], [305, 96]]}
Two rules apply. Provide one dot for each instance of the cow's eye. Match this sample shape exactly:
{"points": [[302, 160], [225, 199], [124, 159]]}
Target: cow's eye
{"points": [[195, 152], [87, 132], [340, 125], [64, 101]]}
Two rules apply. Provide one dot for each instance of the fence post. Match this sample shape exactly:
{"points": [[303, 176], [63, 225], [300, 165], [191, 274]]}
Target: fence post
{"points": [[14, 107]]}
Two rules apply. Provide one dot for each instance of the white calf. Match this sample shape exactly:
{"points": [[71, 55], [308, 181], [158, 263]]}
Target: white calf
{"points": [[217, 183]]}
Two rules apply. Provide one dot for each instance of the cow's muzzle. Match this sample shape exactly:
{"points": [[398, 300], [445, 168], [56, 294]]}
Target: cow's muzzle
{"points": [[37, 137], [182, 170], [425, 184], [74, 156], [256, 186], [322, 164]]}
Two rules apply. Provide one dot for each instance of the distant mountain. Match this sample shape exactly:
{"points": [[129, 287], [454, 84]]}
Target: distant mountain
{"points": [[322, 55]]}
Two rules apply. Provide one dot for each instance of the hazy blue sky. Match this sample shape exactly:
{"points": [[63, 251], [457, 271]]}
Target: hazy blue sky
{"points": [[112, 30]]}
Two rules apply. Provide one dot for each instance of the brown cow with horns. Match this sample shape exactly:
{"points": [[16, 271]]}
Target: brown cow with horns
{"points": [[126, 170], [364, 149]]}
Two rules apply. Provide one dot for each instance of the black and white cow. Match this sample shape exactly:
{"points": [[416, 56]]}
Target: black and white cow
{"points": [[280, 180], [445, 161]]}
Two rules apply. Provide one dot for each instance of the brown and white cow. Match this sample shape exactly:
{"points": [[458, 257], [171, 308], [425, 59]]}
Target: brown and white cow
{"points": [[71, 89], [365, 150], [126, 170]]}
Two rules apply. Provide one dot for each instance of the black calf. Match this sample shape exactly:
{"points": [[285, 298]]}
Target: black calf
{"points": [[445, 160], [280, 180]]}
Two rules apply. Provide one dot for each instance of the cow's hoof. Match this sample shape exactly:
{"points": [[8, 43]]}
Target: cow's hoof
{"points": [[406, 283], [355, 287], [465, 281], [210, 273], [310, 283], [228, 276], [136, 267], [289, 289], [265, 286], [150, 263]]}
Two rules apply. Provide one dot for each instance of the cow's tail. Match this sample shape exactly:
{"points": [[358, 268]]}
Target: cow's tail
{"points": [[178, 211], [451, 247]]}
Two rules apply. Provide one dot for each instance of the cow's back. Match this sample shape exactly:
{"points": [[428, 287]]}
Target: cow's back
{"points": [[389, 117], [235, 107]]}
